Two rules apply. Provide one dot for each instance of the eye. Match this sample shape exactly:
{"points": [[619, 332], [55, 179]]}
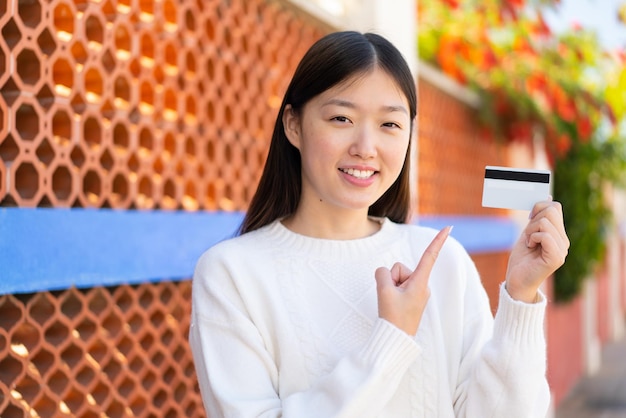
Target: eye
{"points": [[391, 125], [342, 119]]}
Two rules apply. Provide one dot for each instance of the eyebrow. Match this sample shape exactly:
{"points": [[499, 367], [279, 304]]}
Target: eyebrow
{"points": [[345, 103]]}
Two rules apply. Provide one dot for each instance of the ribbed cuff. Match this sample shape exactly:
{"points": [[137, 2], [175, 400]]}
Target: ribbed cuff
{"points": [[390, 348], [518, 322]]}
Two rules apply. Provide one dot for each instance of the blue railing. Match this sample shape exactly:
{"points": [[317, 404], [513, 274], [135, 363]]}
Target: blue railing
{"points": [[53, 249]]}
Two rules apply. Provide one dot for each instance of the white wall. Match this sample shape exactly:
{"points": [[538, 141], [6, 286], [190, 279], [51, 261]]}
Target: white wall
{"points": [[396, 20]]}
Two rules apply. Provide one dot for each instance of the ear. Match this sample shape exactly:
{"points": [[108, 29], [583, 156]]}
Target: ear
{"points": [[291, 124]]}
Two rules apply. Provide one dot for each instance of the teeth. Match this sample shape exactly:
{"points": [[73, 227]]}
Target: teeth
{"points": [[360, 174]]}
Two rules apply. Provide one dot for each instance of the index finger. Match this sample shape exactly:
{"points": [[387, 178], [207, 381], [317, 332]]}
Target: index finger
{"points": [[541, 206], [553, 211], [426, 263]]}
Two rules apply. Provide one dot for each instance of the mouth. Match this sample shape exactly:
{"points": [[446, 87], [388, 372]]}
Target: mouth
{"points": [[359, 174]]}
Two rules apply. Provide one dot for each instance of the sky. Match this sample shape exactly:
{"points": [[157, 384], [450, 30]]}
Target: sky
{"points": [[597, 15]]}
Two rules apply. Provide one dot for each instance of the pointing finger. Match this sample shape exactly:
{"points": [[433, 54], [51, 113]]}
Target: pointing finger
{"points": [[426, 263]]}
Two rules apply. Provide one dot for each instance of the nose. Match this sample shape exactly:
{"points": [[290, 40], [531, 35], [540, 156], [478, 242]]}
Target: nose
{"points": [[364, 143]]}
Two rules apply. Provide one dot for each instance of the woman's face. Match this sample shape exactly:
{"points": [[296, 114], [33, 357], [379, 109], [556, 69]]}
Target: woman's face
{"points": [[352, 139]]}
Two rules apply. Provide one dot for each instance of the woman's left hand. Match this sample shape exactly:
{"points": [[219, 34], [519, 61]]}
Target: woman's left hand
{"points": [[539, 252]]}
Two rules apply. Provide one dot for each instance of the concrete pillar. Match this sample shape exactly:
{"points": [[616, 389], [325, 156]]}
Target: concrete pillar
{"points": [[616, 314], [397, 20], [591, 342], [617, 265]]}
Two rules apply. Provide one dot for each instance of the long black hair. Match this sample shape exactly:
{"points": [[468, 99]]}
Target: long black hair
{"points": [[331, 60]]}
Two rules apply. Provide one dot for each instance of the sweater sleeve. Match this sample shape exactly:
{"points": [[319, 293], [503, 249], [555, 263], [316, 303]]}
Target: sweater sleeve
{"points": [[238, 376], [503, 372]]}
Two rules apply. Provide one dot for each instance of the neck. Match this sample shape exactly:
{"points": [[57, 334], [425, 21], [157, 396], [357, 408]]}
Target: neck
{"points": [[338, 227]]}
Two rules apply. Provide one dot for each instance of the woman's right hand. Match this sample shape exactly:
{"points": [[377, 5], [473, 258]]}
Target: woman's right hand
{"points": [[403, 293]]}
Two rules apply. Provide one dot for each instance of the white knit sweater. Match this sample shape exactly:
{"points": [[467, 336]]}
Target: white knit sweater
{"points": [[285, 325]]}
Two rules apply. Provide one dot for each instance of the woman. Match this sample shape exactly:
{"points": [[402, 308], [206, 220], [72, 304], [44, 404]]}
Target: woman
{"points": [[329, 305]]}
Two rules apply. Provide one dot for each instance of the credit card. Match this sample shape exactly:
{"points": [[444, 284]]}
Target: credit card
{"points": [[515, 188]]}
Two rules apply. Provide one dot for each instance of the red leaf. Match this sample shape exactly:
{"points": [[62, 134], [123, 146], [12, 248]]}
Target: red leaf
{"points": [[566, 110], [536, 82], [563, 144], [542, 28], [565, 106], [452, 3], [583, 126]]}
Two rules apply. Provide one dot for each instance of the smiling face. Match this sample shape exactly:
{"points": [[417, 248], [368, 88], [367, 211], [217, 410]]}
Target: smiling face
{"points": [[352, 139]]}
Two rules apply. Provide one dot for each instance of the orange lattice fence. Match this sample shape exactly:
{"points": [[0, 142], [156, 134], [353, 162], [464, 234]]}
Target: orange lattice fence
{"points": [[114, 352], [141, 104]]}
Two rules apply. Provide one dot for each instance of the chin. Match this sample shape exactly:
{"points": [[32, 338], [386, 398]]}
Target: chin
{"points": [[358, 206]]}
